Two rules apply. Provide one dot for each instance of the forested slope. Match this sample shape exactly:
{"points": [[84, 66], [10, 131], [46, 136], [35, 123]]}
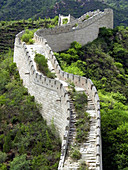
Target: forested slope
{"points": [[105, 62], [9, 29], [120, 8], [24, 9], [26, 142]]}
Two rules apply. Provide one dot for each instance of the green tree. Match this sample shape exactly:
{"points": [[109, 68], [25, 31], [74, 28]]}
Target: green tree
{"points": [[7, 143], [3, 157], [20, 163]]}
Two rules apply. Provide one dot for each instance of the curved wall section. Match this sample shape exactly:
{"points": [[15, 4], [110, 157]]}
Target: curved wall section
{"points": [[84, 83], [81, 30], [49, 93]]}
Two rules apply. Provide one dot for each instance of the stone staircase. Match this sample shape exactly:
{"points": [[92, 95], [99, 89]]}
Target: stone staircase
{"points": [[87, 149]]}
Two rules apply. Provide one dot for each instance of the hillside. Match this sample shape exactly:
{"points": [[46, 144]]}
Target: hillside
{"points": [[15, 10], [105, 62], [26, 142], [9, 29], [23, 9], [78, 8], [122, 4]]}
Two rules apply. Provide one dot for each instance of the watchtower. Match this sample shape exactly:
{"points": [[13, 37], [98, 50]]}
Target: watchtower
{"points": [[64, 18]]}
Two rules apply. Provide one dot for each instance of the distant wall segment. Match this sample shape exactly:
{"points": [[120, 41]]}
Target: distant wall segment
{"points": [[83, 30]]}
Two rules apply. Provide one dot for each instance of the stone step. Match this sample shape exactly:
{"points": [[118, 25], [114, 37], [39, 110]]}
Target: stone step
{"points": [[93, 164], [90, 108], [89, 158], [91, 111], [90, 103], [88, 152], [70, 168], [91, 161], [92, 168], [89, 99]]}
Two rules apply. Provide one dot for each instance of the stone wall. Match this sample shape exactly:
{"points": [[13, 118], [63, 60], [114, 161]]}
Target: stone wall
{"points": [[82, 30], [84, 83], [50, 93]]}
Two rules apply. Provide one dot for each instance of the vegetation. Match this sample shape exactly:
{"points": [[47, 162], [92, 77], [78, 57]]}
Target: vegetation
{"points": [[82, 117], [114, 130], [26, 142], [9, 29], [42, 65], [105, 62], [83, 166], [24, 9], [87, 16], [3, 157], [33, 10], [28, 36], [65, 21], [20, 163], [82, 124], [76, 155]]}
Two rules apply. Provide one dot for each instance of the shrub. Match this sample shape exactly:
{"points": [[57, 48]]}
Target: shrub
{"points": [[65, 21], [55, 20], [76, 155], [87, 16], [76, 45], [20, 163], [3, 167], [31, 41], [82, 124], [80, 100], [125, 168], [3, 157], [75, 25], [7, 143], [28, 36], [83, 166], [42, 65]]}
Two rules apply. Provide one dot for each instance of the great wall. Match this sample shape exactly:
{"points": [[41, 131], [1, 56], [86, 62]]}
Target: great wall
{"points": [[52, 93]]}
